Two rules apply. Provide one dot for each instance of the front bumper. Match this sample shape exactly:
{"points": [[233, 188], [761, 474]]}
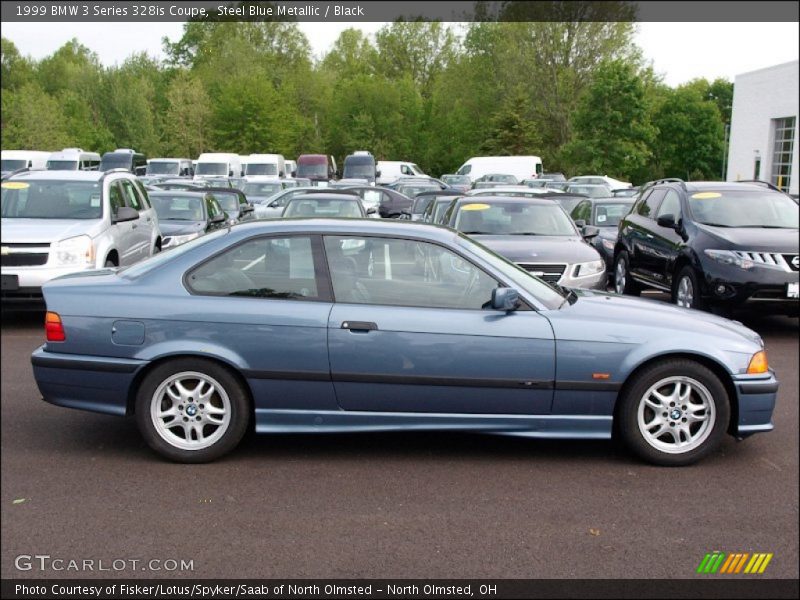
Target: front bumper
{"points": [[98, 384], [29, 281], [763, 288], [756, 395]]}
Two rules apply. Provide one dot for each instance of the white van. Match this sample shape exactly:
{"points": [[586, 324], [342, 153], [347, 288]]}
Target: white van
{"points": [[265, 165], [291, 168], [392, 170], [174, 167], [73, 159], [13, 160], [522, 167], [218, 164]]}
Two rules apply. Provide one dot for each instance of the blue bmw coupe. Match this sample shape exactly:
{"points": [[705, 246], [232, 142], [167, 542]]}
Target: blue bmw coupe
{"points": [[344, 325]]}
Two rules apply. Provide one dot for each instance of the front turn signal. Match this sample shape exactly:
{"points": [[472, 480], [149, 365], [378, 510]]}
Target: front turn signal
{"points": [[758, 364]]}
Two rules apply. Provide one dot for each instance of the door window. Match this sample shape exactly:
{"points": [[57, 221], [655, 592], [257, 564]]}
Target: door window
{"points": [[400, 272], [266, 267], [131, 196], [649, 204], [670, 206], [115, 197]]}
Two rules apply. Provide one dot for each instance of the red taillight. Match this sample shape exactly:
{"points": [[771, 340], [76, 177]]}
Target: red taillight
{"points": [[53, 328]]}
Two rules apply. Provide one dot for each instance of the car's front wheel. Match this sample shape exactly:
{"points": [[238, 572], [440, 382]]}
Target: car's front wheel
{"points": [[686, 289], [674, 413], [192, 410], [623, 282]]}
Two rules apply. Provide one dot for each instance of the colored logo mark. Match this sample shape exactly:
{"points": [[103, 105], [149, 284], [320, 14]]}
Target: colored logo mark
{"points": [[734, 563]]}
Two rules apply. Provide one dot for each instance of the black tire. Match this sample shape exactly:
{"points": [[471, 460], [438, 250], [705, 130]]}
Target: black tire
{"points": [[688, 274], [625, 285], [110, 264], [238, 403], [707, 441]]}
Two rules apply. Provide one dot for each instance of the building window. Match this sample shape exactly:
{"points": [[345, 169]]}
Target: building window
{"points": [[782, 152]]}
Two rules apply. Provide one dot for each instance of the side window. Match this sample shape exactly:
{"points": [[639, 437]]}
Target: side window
{"points": [[671, 205], [397, 272], [132, 198], [266, 267], [582, 211], [649, 204], [115, 198], [213, 207], [143, 194]]}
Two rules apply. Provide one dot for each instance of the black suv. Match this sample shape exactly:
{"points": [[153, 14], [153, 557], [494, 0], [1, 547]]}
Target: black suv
{"points": [[711, 245]]}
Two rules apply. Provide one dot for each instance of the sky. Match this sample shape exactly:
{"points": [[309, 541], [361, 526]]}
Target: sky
{"points": [[678, 51]]}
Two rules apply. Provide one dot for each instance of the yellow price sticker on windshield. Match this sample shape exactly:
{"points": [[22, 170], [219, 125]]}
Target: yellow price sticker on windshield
{"points": [[706, 195], [15, 185], [475, 207]]}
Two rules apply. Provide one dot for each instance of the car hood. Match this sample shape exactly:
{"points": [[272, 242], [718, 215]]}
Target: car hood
{"points": [[754, 238], [173, 227], [46, 231], [638, 319], [539, 249]]}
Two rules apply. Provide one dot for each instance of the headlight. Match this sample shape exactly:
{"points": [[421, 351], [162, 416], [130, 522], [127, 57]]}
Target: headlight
{"points": [[182, 239], [726, 257], [588, 268], [609, 245], [76, 251]]}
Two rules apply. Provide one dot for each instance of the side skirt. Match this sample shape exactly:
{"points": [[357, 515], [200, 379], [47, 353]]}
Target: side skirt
{"points": [[539, 426]]}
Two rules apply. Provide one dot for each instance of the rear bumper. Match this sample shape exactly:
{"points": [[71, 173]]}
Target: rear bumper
{"points": [[756, 397], [98, 384]]}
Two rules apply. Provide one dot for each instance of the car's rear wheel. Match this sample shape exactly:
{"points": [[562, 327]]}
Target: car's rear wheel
{"points": [[192, 410], [686, 289], [674, 413], [623, 282]]}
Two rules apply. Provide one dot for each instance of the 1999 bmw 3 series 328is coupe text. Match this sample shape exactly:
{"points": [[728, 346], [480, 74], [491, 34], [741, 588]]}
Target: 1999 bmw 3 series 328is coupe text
{"points": [[326, 325]]}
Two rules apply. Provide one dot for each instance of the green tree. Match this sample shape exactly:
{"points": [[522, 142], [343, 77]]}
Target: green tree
{"points": [[691, 135], [511, 130], [187, 118], [32, 119], [14, 69], [351, 54], [613, 133]]}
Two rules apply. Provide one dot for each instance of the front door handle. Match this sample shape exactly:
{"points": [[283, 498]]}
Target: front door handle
{"points": [[359, 326], [134, 226]]}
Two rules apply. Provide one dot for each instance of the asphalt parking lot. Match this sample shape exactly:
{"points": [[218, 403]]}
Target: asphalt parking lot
{"points": [[81, 486]]}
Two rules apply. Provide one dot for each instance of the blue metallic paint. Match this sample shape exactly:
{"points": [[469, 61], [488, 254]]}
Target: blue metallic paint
{"points": [[298, 362]]}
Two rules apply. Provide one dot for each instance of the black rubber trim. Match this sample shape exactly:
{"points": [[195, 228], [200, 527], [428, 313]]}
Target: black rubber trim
{"points": [[442, 381], [83, 365], [759, 388], [594, 386], [288, 375]]}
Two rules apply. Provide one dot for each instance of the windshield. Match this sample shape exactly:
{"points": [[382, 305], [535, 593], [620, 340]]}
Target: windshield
{"points": [[62, 165], [8, 164], [116, 163], [412, 190], [178, 207], [456, 180], [516, 275], [314, 207], [593, 191], [420, 204], [744, 209], [228, 202], [261, 169], [49, 199], [513, 218], [352, 171], [163, 168], [208, 168], [306, 170], [609, 215], [261, 189]]}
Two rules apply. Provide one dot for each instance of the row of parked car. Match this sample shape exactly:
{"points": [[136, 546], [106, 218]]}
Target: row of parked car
{"points": [[528, 224]]}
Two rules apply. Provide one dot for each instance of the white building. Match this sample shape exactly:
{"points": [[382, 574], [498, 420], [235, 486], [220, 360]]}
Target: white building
{"points": [[763, 137]]}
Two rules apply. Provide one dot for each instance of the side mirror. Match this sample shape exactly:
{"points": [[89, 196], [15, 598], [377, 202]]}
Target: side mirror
{"points": [[125, 213], [371, 210], [590, 231], [377, 173], [580, 223], [246, 208], [505, 299], [281, 174], [273, 204], [667, 221], [294, 173], [219, 218]]}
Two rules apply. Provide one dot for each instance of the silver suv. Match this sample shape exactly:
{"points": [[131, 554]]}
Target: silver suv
{"points": [[59, 222]]}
